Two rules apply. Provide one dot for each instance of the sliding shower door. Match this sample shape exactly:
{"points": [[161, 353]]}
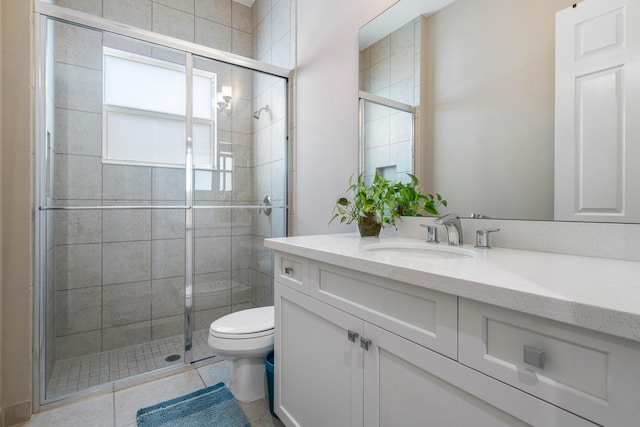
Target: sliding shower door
{"points": [[159, 174], [240, 201], [113, 198]]}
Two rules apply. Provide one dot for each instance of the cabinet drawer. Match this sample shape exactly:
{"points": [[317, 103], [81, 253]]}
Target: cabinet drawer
{"points": [[423, 316], [590, 374], [292, 271]]}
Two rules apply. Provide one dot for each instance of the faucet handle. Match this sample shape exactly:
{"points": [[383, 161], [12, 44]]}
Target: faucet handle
{"points": [[482, 237], [432, 233]]}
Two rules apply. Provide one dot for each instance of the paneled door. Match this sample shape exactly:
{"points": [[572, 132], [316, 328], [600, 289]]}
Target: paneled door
{"points": [[597, 145]]}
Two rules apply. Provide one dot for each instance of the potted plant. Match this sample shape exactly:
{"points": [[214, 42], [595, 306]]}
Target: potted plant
{"points": [[410, 201], [371, 205]]}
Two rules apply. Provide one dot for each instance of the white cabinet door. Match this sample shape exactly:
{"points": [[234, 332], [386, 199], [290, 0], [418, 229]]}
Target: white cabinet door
{"points": [[408, 385], [597, 138], [319, 371]]}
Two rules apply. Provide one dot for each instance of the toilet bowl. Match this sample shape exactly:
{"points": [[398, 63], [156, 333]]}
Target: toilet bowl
{"points": [[245, 337]]}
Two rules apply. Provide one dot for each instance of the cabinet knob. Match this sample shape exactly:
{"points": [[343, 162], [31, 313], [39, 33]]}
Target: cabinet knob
{"points": [[352, 335], [365, 343], [288, 270], [534, 357]]}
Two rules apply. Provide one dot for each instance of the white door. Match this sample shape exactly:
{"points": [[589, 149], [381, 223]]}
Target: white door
{"points": [[318, 369], [597, 139]]}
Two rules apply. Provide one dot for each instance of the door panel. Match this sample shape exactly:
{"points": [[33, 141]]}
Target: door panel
{"points": [[597, 96], [319, 382]]}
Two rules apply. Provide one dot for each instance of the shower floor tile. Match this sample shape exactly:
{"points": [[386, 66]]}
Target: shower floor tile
{"points": [[80, 373]]}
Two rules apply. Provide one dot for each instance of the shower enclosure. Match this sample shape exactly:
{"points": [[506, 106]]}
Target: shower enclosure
{"points": [[156, 186]]}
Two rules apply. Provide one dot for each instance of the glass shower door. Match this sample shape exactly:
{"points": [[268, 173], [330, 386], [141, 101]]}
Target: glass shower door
{"points": [[240, 201], [113, 207]]}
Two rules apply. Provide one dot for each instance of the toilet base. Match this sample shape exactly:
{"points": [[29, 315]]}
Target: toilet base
{"points": [[248, 379]]}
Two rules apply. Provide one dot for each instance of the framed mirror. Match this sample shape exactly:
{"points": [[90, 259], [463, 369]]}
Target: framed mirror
{"points": [[484, 79]]}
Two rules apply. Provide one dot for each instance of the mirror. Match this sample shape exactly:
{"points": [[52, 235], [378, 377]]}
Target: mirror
{"points": [[482, 74]]}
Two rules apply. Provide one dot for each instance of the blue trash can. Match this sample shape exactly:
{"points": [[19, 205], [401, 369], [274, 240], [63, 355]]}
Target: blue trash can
{"points": [[268, 361]]}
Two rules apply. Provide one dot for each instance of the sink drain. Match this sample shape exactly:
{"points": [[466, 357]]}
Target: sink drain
{"points": [[172, 358]]}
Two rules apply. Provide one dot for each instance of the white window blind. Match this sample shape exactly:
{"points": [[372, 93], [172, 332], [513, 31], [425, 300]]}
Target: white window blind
{"points": [[144, 110]]}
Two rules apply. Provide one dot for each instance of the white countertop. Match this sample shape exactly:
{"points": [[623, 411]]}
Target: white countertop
{"points": [[595, 293]]}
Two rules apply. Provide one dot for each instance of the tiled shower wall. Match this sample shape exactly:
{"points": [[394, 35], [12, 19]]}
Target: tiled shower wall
{"points": [[119, 274], [391, 68], [271, 23]]}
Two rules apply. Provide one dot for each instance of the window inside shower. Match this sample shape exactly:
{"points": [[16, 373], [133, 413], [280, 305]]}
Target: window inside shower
{"points": [[151, 192]]}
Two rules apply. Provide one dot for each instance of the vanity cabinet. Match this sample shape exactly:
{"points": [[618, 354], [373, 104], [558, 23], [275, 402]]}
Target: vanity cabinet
{"points": [[354, 349], [594, 375]]}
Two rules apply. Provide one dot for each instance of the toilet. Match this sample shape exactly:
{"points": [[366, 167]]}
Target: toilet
{"points": [[245, 337]]}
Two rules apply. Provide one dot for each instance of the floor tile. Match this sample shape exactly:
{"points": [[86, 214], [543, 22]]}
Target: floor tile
{"points": [[95, 412], [128, 401], [216, 372], [112, 365], [258, 414]]}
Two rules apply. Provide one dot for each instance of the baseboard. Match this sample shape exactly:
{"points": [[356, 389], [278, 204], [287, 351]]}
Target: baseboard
{"points": [[18, 413]]}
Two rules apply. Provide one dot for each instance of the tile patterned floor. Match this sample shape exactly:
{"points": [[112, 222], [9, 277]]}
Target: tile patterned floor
{"points": [[80, 373], [118, 409]]}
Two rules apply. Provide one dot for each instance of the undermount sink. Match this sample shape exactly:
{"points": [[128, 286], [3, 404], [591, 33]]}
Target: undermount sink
{"points": [[420, 250]]}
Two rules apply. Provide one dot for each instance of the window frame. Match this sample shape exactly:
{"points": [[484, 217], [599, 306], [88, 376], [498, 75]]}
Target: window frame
{"points": [[107, 108]]}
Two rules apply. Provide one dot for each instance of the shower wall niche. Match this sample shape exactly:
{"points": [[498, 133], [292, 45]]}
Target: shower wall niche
{"points": [[114, 279]]}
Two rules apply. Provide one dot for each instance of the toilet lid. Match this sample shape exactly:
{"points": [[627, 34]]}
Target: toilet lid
{"points": [[242, 322]]}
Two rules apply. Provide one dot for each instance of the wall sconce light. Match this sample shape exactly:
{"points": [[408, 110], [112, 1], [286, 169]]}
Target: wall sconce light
{"points": [[223, 98]]}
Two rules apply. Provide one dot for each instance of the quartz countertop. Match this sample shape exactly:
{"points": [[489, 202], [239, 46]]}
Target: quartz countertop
{"points": [[594, 293]]}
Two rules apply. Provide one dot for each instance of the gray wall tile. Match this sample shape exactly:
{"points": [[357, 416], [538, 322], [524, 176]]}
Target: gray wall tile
{"points": [[75, 227], [183, 5], [168, 184], [167, 224], [136, 13], [78, 132], [213, 34], [126, 182], [126, 303], [212, 254], [167, 327], [264, 287], [127, 335], [263, 7], [126, 225], [126, 262], [78, 310], [167, 297], [78, 88], [168, 258], [241, 43], [78, 46], [94, 7], [77, 177], [173, 22], [280, 19], [215, 10], [241, 17], [212, 222], [204, 318], [78, 344], [78, 266], [241, 252], [212, 291]]}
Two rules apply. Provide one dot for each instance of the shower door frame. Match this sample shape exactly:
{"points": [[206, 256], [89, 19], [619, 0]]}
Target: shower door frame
{"points": [[43, 12]]}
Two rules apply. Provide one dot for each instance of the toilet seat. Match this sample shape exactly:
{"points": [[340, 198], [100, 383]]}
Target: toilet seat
{"points": [[245, 324]]}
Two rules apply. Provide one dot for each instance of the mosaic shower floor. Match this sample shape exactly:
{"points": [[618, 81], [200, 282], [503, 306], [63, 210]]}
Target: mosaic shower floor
{"points": [[80, 373]]}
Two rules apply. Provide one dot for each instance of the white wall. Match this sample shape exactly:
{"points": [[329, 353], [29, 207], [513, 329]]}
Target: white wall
{"points": [[16, 209], [326, 106]]}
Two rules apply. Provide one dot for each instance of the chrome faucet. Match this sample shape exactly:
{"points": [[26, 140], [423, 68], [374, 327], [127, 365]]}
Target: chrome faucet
{"points": [[454, 228]]}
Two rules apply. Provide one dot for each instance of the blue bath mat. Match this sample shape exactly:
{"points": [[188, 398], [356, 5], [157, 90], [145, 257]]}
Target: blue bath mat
{"points": [[211, 406]]}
